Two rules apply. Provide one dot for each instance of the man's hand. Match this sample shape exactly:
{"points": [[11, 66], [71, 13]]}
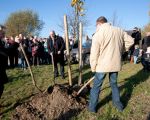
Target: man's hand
{"points": [[93, 73], [59, 52], [51, 53]]}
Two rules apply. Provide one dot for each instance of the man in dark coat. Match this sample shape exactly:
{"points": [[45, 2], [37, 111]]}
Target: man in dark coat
{"points": [[136, 35], [56, 48], [12, 52], [146, 42], [3, 63], [145, 60]]}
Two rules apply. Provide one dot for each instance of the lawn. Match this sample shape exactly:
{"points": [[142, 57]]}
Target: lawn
{"points": [[133, 83]]}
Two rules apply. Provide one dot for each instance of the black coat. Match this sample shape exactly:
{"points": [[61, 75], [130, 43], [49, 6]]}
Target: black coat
{"points": [[146, 43], [3, 64], [137, 37], [58, 45]]}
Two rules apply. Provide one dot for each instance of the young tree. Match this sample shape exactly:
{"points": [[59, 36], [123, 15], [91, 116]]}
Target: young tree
{"points": [[115, 19], [26, 22], [74, 18], [78, 12], [72, 24]]}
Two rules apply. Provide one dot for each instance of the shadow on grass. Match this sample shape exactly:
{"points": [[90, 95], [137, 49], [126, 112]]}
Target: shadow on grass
{"points": [[69, 114], [11, 107], [148, 118], [128, 87], [84, 68], [17, 77], [131, 83], [85, 76]]}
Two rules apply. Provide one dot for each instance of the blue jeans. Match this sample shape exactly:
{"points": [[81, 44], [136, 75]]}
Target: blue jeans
{"points": [[135, 59], [95, 91], [23, 63]]}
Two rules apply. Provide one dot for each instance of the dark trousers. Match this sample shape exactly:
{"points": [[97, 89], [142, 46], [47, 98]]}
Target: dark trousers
{"points": [[11, 60], [16, 59], [58, 59], [145, 64], [36, 60], [1, 89], [23, 63], [47, 58]]}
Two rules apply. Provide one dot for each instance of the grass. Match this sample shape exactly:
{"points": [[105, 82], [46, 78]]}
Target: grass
{"points": [[133, 83]]}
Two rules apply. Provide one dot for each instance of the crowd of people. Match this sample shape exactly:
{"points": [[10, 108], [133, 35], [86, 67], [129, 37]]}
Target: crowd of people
{"points": [[139, 51], [15, 50], [36, 51]]}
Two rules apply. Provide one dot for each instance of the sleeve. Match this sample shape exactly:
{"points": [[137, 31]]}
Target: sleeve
{"points": [[94, 52], [62, 44], [128, 41]]}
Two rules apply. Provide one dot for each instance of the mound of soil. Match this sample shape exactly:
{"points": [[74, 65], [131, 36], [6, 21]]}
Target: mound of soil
{"points": [[56, 105]]}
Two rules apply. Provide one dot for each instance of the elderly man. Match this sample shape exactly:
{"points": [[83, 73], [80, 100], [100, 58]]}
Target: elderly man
{"points": [[108, 44], [56, 48]]}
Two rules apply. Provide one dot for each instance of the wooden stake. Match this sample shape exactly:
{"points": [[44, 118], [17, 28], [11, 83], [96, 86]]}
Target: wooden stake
{"points": [[32, 76], [80, 54], [68, 51]]}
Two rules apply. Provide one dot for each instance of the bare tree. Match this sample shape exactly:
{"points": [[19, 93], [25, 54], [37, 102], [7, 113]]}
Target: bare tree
{"points": [[73, 25], [115, 19], [74, 18]]}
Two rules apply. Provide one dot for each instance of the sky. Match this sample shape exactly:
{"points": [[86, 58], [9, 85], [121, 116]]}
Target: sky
{"points": [[130, 13]]}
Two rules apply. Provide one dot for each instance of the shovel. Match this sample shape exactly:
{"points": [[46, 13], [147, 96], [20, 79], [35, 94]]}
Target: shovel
{"points": [[76, 94], [88, 82], [53, 66]]}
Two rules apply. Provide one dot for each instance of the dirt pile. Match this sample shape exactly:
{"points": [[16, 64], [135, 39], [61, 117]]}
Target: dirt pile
{"points": [[57, 105]]}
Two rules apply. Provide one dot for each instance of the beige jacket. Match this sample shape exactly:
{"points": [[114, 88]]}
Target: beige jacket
{"points": [[108, 44]]}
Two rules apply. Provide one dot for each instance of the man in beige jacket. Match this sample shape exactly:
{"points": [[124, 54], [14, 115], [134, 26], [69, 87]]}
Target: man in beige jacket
{"points": [[108, 44]]}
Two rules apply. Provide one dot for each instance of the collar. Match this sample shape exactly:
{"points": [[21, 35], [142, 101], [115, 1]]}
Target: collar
{"points": [[102, 25]]}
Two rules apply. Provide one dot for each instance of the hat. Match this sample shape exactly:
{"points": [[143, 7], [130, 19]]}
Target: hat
{"points": [[135, 28]]}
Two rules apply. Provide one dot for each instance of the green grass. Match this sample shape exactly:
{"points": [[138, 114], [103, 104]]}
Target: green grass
{"points": [[133, 83]]}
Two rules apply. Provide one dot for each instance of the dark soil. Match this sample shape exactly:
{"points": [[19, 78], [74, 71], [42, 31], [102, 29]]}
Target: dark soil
{"points": [[57, 105]]}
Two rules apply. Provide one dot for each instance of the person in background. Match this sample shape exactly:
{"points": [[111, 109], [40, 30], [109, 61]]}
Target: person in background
{"points": [[3, 61], [108, 44], [136, 53], [56, 47], [146, 42], [46, 54], [13, 52], [145, 60], [35, 54], [22, 40], [71, 42], [137, 37]]}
